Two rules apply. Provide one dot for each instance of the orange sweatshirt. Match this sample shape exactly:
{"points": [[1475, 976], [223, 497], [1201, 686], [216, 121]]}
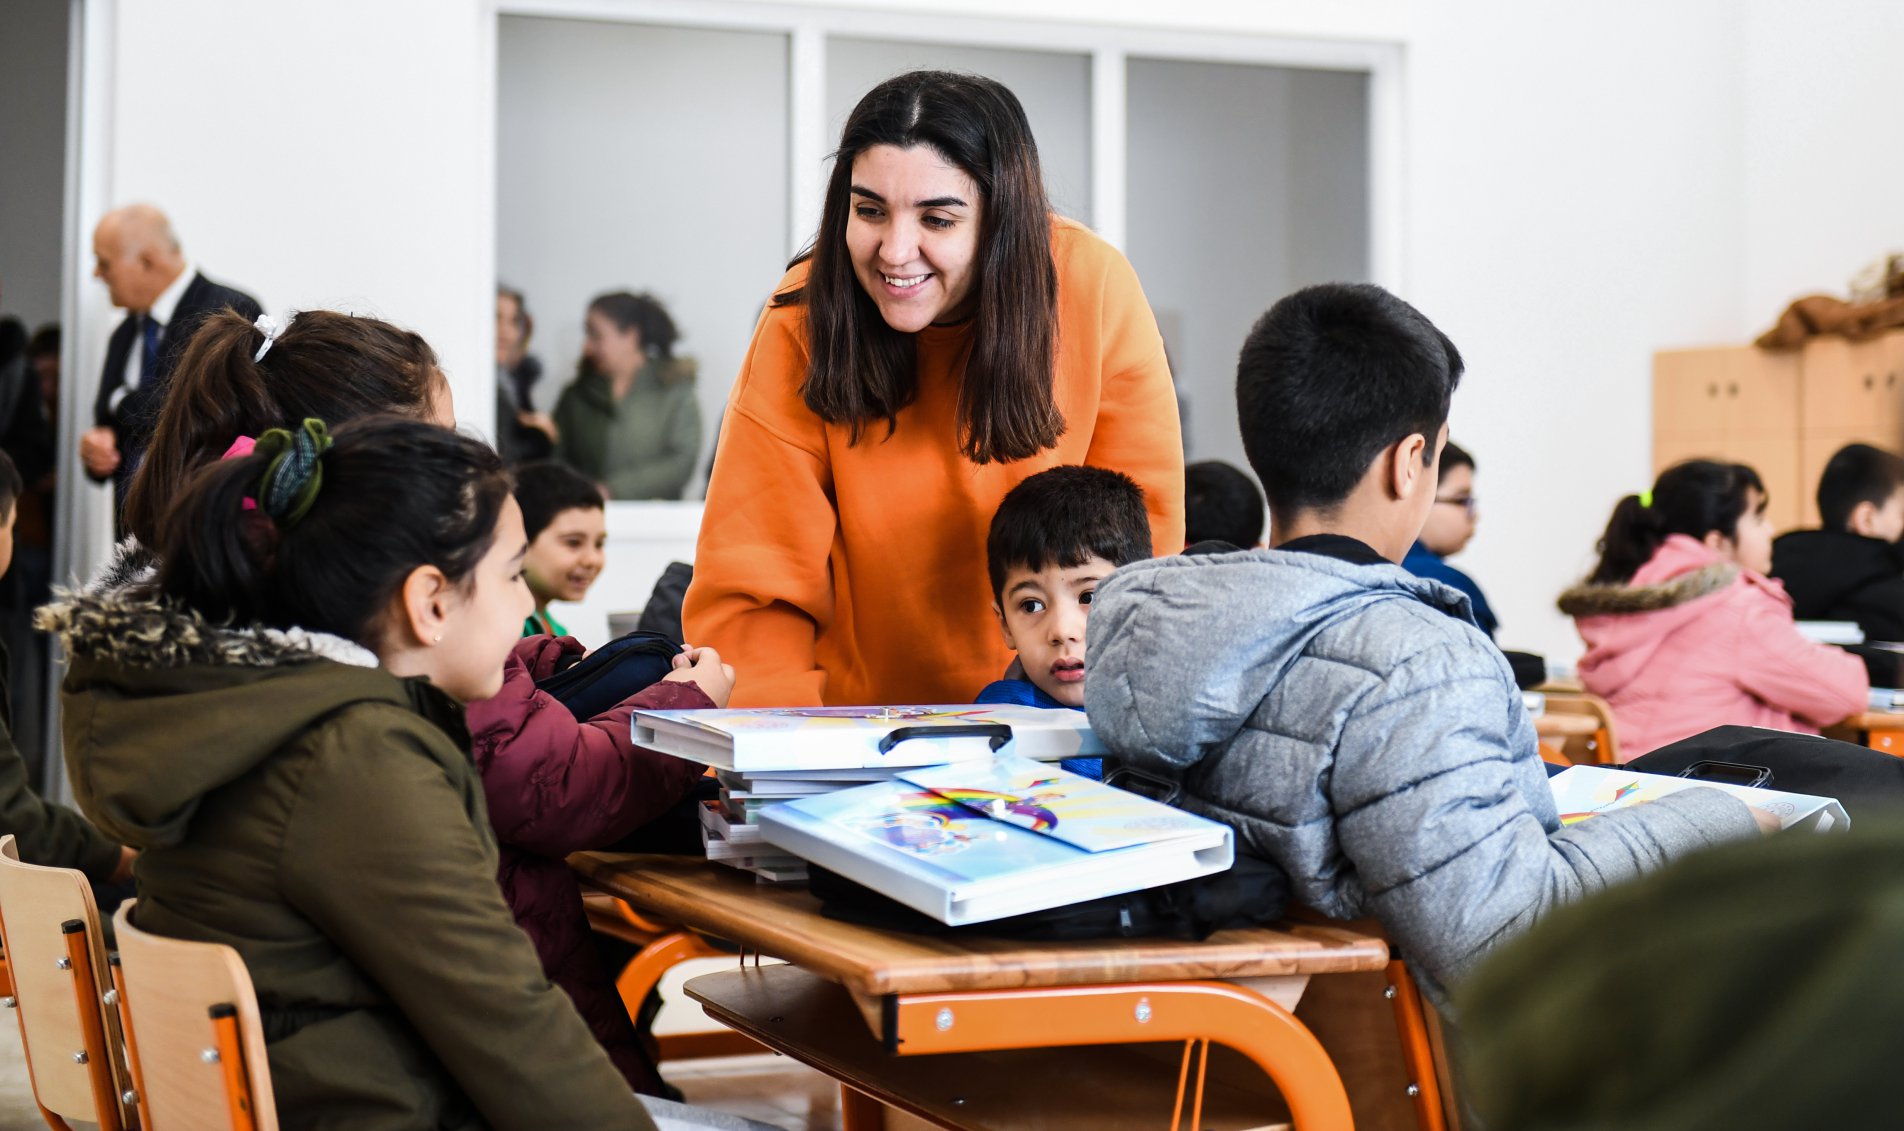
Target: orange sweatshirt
{"points": [[843, 574]]}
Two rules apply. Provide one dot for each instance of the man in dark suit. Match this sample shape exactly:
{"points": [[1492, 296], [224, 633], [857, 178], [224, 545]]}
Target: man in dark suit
{"points": [[165, 300]]}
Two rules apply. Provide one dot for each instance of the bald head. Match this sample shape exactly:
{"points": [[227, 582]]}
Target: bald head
{"points": [[137, 255]]}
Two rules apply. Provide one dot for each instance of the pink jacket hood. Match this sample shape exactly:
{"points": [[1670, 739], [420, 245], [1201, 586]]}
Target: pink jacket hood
{"points": [[1694, 641]]}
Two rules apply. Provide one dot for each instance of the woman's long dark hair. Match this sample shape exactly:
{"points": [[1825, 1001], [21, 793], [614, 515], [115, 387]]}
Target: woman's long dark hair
{"points": [[396, 494], [1694, 498], [861, 370], [331, 366]]}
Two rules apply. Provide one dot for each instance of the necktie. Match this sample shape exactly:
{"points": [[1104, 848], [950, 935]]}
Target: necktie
{"points": [[149, 329]]}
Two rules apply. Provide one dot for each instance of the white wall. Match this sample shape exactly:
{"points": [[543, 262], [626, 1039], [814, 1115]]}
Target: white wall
{"points": [[319, 154], [32, 138], [1824, 172], [1228, 212], [622, 168]]}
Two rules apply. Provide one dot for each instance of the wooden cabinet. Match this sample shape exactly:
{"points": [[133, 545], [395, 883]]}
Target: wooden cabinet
{"points": [[1735, 403], [1783, 413]]}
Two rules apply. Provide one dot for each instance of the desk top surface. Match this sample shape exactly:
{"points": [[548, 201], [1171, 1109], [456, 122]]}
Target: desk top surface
{"points": [[784, 921]]}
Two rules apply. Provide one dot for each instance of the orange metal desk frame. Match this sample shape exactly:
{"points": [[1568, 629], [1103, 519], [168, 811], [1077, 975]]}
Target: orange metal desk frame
{"points": [[925, 994]]}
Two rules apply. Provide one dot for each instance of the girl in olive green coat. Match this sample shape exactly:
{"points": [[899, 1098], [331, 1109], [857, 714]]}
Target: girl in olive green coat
{"points": [[275, 721]]}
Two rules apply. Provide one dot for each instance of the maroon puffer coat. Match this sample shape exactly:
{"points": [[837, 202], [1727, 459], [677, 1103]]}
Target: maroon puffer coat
{"points": [[556, 786]]}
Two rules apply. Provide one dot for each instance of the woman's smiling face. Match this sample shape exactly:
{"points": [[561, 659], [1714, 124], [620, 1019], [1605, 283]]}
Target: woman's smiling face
{"points": [[913, 235]]}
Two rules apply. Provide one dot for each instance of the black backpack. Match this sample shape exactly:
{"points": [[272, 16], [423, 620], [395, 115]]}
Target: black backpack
{"points": [[1252, 892], [1865, 781]]}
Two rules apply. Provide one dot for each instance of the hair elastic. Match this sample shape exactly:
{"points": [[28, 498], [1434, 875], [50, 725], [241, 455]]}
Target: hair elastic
{"points": [[295, 474], [270, 327], [1646, 498]]}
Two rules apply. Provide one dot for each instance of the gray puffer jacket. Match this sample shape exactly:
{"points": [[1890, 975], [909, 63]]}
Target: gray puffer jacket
{"points": [[1355, 727]]}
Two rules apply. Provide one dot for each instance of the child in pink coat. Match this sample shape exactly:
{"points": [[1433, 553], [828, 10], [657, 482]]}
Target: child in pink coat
{"points": [[1684, 630]]}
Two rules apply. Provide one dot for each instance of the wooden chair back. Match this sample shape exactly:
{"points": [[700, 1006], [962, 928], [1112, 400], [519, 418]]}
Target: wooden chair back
{"points": [[57, 959], [193, 1025], [1601, 748]]}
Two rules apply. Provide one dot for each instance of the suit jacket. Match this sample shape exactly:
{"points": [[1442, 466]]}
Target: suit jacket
{"points": [[133, 420]]}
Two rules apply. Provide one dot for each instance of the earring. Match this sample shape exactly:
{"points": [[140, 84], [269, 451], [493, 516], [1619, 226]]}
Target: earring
{"points": [[437, 639]]}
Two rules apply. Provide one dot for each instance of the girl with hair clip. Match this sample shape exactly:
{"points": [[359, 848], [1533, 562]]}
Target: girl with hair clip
{"points": [[238, 378], [1685, 632], [555, 785], [278, 725], [943, 339]]}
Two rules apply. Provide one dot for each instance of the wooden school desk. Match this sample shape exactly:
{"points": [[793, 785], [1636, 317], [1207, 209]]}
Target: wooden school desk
{"points": [[1880, 730], [986, 1033]]}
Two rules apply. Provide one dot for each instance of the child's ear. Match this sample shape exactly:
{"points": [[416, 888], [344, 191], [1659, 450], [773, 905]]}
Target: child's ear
{"points": [[1864, 519], [1004, 630], [1409, 469], [425, 599]]}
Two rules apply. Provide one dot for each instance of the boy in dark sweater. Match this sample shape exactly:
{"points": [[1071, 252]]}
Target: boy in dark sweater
{"points": [[45, 833], [1852, 568]]}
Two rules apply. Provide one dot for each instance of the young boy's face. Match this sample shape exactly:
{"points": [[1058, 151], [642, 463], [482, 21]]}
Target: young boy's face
{"points": [[1451, 520], [566, 557], [1042, 614]]}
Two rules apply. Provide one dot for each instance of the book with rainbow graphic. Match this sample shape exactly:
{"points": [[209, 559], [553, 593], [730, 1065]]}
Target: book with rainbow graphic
{"points": [[975, 841], [1582, 792]]}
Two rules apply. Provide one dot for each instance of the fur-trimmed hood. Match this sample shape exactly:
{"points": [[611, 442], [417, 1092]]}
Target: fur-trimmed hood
{"points": [[1588, 600], [160, 706]]}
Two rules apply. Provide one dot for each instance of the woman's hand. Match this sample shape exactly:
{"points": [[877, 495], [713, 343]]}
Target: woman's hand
{"points": [[703, 668], [541, 422]]}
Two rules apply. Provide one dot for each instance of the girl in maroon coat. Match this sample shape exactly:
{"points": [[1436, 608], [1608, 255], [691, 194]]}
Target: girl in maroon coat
{"points": [[557, 786]]}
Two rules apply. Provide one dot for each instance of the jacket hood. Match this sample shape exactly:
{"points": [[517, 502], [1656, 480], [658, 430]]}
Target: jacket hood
{"points": [[1822, 568], [161, 706], [1182, 650], [1625, 625]]}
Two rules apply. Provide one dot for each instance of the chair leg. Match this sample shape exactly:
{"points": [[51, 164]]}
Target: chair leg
{"points": [[132, 1042], [92, 1027]]}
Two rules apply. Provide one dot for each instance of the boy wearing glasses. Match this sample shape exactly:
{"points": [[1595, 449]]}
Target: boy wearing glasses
{"points": [[1450, 524]]}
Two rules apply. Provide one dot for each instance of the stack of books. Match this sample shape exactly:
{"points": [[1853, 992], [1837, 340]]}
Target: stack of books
{"points": [[762, 756], [987, 839]]}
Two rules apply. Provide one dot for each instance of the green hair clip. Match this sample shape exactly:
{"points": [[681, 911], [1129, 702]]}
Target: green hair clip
{"points": [[295, 474], [1646, 498]]}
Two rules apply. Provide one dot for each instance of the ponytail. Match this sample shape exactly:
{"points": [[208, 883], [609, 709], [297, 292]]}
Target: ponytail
{"points": [[1694, 498], [322, 364], [387, 496]]}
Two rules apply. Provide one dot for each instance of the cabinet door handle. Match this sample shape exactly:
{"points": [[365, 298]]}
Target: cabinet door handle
{"points": [[1732, 390], [1870, 382]]}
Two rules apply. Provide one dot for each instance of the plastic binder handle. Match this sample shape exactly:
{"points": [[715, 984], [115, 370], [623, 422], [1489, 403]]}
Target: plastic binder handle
{"points": [[999, 733]]}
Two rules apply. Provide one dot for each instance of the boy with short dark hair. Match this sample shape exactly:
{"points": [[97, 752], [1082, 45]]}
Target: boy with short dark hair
{"points": [[45, 833], [1345, 716], [1852, 568], [1054, 538], [1221, 504], [567, 523]]}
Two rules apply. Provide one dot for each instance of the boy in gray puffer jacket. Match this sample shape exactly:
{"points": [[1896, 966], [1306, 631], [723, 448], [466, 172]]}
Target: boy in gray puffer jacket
{"points": [[1346, 717]]}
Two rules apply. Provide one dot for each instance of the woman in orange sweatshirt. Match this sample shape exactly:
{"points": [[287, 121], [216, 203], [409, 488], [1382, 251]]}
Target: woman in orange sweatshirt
{"points": [[945, 338]]}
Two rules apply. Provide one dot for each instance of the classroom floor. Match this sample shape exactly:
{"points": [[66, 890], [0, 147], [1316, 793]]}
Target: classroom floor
{"points": [[769, 1088]]}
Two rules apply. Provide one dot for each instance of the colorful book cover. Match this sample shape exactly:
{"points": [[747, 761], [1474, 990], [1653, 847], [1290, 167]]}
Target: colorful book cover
{"points": [[1583, 792], [1070, 807]]}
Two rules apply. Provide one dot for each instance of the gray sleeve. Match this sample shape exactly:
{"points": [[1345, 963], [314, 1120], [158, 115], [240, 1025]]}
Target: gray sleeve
{"points": [[1436, 811]]}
